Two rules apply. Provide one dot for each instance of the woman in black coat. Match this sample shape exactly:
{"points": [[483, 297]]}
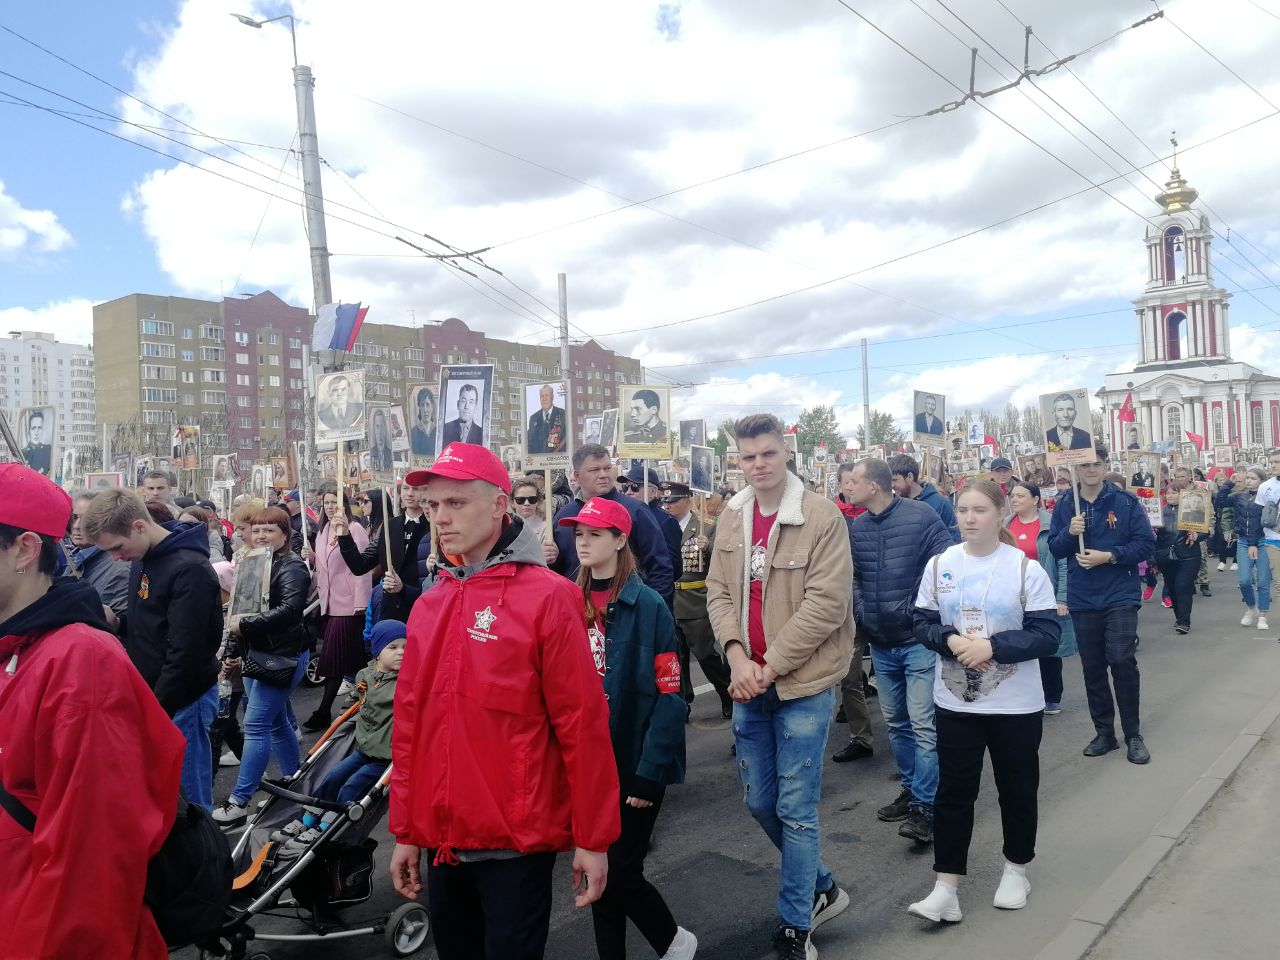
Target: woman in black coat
{"points": [[269, 725]]}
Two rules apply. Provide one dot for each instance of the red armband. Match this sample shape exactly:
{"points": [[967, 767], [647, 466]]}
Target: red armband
{"points": [[666, 672]]}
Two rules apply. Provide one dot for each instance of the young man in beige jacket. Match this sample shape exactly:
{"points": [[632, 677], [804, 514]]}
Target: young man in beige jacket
{"points": [[779, 595]]}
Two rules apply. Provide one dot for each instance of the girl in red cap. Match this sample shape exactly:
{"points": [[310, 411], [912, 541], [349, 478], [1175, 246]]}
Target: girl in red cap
{"points": [[633, 641]]}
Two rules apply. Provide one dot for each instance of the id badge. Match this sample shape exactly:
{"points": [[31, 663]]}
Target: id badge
{"points": [[973, 622]]}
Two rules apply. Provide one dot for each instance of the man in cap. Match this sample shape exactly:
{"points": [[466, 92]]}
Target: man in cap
{"points": [[593, 477], [90, 763], [529, 685], [693, 627], [646, 487]]}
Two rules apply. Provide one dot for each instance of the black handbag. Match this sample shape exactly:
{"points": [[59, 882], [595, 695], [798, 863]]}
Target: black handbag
{"points": [[269, 668]]}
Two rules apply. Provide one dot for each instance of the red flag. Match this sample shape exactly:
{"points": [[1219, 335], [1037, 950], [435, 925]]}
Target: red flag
{"points": [[794, 428], [1127, 413], [1197, 440]]}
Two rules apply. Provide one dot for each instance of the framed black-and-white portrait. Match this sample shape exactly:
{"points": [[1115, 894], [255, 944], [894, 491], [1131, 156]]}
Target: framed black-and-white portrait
{"points": [[36, 438], [702, 469], [1067, 424], [546, 419], [609, 428], [693, 433], [929, 421], [466, 404], [646, 413], [340, 406]]}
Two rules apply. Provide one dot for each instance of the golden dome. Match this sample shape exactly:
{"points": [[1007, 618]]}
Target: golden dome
{"points": [[1177, 196]]}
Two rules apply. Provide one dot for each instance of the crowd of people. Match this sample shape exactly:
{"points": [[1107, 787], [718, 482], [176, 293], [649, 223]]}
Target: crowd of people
{"points": [[528, 683]]}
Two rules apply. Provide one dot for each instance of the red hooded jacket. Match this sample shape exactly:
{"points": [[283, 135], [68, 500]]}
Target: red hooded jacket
{"points": [[501, 731], [86, 747]]}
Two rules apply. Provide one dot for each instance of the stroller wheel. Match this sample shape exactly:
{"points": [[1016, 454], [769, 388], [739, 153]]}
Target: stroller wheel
{"points": [[312, 677], [407, 929]]}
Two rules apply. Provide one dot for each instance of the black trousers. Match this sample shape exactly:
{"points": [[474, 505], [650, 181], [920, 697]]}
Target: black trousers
{"points": [[1051, 678], [1180, 578], [628, 895], [227, 730], [1108, 641], [490, 909], [1014, 744]]}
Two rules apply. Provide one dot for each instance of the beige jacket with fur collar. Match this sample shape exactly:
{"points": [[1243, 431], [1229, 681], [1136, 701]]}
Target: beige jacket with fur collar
{"points": [[808, 588]]}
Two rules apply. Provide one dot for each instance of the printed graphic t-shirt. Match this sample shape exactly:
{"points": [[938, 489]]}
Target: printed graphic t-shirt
{"points": [[1024, 535], [760, 529], [595, 631], [1004, 688]]}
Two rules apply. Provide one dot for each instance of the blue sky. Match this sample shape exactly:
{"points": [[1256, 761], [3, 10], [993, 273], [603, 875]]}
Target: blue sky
{"points": [[435, 122]]}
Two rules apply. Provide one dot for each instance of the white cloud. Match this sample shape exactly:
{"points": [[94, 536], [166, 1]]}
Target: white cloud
{"points": [[28, 232], [71, 321], [646, 97]]}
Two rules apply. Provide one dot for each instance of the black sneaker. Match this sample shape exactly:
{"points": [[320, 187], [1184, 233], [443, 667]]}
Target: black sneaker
{"points": [[1182, 628], [1137, 752], [897, 810], [840, 715], [828, 904], [918, 826], [1205, 591], [317, 722], [792, 943], [1101, 744], [853, 750]]}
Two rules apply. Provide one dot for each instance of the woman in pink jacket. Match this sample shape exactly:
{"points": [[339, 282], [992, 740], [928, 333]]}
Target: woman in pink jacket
{"points": [[343, 599]]}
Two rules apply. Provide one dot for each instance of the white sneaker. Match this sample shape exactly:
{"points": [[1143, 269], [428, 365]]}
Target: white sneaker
{"points": [[683, 947], [1247, 619], [1262, 622], [1221, 565], [228, 759], [345, 687], [1234, 565], [1013, 889], [229, 814], [940, 906]]}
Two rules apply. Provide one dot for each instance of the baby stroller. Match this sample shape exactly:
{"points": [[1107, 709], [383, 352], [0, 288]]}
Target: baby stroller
{"points": [[324, 877]]}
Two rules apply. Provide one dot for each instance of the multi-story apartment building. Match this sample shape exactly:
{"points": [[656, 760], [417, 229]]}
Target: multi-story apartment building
{"points": [[235, 369], [37, 370]]}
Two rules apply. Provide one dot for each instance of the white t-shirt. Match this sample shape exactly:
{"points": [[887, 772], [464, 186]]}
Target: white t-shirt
{"points": [[979, 596], [1269, 493]]}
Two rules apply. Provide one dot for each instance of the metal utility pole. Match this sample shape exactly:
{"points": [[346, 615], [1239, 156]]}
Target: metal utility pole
{"points": [[309, 149], [866, 401], [564, 329]]}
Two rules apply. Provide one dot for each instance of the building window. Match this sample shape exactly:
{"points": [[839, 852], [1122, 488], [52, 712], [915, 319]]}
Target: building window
{"points": [[157, 328], [515, 416], [242, 380], [212, 376], [216, 354], [158, 350], [188, 376], [246, 443], [1255, 418], [273, 381], [295, 363], [244, 401], [151, 371], [188, 356], [295, 343], [242, 338], [273, 359], [242, 358], [186, 333], [1217, 425], [415, 373], [187, 400], [246, 423], [1173, 422], [435, 358], [159, 395], [413, 353], [210, 332], [215, 398]]}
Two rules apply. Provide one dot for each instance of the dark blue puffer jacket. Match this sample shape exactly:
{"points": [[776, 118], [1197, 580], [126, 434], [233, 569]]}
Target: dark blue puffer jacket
{"points": [[1115, 522], [1246, 518], [890, 550]]}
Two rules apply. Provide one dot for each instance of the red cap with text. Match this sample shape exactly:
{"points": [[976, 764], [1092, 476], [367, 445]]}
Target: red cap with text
{"points": [[604, 513], [32, 501], [464, 461]]}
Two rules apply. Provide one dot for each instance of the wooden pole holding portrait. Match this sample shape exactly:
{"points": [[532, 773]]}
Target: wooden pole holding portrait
{"points": [[546, 505], [340, 455], [391, 508]]}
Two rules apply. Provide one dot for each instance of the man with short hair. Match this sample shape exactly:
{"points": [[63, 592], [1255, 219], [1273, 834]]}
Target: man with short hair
{"points": [[645, 416], [927, 420], [634, 485], [89, 758], [906, 484], [156, 487], [173, 624], [778, 598], [593, 477], [491, 828], [892, 543], [464, 429], [340, 411], [108, 577], [1103, 597], [854, 688]]}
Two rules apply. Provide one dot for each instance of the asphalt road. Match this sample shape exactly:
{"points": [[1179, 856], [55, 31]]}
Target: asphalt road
{"points": [[719, 873]]}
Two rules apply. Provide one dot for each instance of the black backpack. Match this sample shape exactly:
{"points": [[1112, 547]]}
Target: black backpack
{"points": [[188, 880]]}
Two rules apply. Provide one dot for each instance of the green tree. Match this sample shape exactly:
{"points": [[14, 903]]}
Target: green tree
{"points": [[883, 430], [819, 424], [723, 437]]}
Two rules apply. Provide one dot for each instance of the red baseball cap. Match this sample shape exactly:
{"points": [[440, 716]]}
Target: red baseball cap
{"points": [[604, 513], [32, 501], [464, 461]]}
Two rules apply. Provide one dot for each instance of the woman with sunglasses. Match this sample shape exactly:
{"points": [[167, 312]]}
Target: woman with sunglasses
{"points": [[526, 498]]}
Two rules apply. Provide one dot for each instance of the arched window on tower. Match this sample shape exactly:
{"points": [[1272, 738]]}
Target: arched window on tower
{"points": [[1176, 346], [1255, 423], [1218, 431], [1173, 422], [1175, 256]]}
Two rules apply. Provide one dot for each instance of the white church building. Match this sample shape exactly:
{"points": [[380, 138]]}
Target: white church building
{"points": [[1187, 381]]}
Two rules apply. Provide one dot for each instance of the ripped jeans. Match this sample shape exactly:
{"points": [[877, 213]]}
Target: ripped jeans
{"points": [[781, 745]]}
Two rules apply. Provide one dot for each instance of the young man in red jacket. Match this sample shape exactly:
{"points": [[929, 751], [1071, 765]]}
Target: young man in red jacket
{"points": [[501, 755], [84, 746]]}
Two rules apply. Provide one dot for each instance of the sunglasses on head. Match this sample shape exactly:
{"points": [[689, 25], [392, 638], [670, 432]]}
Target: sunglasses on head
{"points": [[526, 500]]}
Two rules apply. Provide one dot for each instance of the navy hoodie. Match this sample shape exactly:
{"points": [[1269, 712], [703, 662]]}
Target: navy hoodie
{"points": [[1115, 522], [174, 624]]}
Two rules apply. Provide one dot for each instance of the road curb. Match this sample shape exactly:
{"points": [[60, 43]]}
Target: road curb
{"points": [[1099, 912]]}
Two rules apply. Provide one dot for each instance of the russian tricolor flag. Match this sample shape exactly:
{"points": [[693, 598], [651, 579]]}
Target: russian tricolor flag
{"points": [[337, 326]]}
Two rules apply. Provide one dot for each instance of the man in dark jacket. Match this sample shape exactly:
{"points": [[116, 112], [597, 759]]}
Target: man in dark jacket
{"points": [[173, 625], [892, 542], [1103, 596], [593, 476], [108, 577], [633, 485], [906, 483], [410, 545]]}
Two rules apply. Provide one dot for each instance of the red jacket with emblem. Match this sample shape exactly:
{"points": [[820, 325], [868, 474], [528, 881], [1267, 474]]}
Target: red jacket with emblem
{"points": [[86, 747], [501, 734]]}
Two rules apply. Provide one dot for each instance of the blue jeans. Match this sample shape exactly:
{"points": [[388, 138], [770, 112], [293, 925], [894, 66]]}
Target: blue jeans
{"points": [[1246, 571], [781, 746], [194, 721], [351, 778], [268, 729], [904, 681]]}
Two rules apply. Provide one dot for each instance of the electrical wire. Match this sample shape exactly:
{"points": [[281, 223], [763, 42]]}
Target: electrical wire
{"points": [[261, 220]]}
